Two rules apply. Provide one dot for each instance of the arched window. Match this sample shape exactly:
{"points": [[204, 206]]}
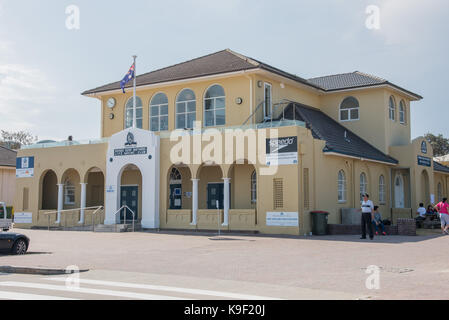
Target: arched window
{"points": [[69, 193], [185, 109], [159, 113], [392, 108], [402, 113], [382, 192], [254, 187], [349, 109], [440, 191], [129, 111], [341, 186], [175, 176], [363, 185], [214, 106]]}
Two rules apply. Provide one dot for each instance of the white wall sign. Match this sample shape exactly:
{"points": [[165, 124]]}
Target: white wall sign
{"points": [[23, 217], [25, 167], [283, 219], [282, 151], [111, 189]]}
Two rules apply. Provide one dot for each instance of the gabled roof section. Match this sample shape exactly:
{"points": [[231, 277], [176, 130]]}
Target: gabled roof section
{"points": [[225, 61], [7, 157], [354, 80], [338, 138], [439, 167]]}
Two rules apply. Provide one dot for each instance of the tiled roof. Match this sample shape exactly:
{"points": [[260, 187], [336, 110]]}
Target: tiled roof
{"points": [[227, 61], [224, 61], [7, 157], [338, 138], [353, 80], [439, 167]]}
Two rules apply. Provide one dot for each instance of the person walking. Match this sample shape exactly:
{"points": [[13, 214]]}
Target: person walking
{"points": [[443, 210], [367, 217]]}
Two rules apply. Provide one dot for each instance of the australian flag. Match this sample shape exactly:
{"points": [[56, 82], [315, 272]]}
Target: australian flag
{"points": [[130, 75]]}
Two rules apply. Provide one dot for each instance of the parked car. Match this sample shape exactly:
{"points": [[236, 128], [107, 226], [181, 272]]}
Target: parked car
{"points": [[14, 243], [5, 223]]}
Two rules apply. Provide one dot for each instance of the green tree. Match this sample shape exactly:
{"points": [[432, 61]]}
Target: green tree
{"points": [[17, 139], [439, 144]]}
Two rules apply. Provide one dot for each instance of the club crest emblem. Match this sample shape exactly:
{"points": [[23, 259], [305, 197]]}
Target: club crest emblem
{"points": [[130, 140]]}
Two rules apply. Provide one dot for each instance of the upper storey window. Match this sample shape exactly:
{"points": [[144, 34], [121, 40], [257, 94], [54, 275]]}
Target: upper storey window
{"points": [[185, 109], [214, 106], [402, 112], [129, 112], [159, 113], [349, 109], [392, 108]]}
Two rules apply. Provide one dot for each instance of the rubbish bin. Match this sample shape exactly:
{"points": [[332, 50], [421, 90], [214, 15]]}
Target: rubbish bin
{"points": [[319, 222]]}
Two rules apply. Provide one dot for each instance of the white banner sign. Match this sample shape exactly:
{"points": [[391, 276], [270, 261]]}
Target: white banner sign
{"points": [[23, 217], [283, 219]]}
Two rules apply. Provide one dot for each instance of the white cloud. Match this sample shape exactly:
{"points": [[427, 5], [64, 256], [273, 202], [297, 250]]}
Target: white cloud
{"points": [[404, 21], [24, 93]]}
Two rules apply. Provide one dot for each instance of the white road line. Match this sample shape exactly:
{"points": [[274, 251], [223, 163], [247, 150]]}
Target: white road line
{"points": [[27, 296], [122, 294], [171, 289]]}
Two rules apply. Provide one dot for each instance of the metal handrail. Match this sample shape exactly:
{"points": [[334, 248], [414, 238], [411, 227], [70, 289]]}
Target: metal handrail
{"points": [[48, 214], [124, 216], [273, 107]]}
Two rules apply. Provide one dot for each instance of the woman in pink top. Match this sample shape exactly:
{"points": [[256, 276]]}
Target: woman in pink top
{"points": [[443, 210]]}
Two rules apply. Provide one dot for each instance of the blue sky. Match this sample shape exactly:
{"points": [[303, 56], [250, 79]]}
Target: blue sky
{"points": [[44, 66]]}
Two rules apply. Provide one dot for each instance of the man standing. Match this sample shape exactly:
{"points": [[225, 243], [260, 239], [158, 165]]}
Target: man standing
{"points": [[442, 209], [367, 217]]}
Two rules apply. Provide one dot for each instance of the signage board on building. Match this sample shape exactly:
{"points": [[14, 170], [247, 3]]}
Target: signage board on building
{"points": [[282, 151], [23, 217], [424, 161], [282, 219], [25, 167], [131, 148]]}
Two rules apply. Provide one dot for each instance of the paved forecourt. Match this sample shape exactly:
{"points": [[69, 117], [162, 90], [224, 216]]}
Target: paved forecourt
{"points": [[233, 266]]}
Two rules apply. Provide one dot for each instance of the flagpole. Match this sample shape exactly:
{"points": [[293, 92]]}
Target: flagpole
{"points": [[134, 95]]}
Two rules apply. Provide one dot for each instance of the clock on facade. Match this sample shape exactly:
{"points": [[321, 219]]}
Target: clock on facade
{"points": [[111, 103]]}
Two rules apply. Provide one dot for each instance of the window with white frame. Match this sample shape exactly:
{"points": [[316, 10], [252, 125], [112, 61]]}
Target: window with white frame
{"points": [[185, 109], [349, 109], [159, 113], [214, 106], [392, 108], [382, 192], [129, 112], [402, 113], [363, 185], [341, 186], [69, 193], [254, 187]]}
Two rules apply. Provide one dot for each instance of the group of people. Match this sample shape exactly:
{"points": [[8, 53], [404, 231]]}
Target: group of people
{"points": [[371, 219], [441, 211]]}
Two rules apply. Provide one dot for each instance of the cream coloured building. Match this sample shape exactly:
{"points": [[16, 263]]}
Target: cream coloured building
{"points": [[313, 144]]}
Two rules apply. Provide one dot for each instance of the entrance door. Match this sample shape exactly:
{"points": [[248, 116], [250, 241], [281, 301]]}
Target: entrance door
{"points": [[268, 100], [175, 197], [129, 196], [215, 191], [399, 192]]}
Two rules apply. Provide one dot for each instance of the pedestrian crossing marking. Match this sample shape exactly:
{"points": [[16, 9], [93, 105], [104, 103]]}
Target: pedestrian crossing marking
{"points": [[167, 288]]}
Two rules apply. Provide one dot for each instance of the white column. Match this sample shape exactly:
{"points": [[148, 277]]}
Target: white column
{"points": [[226, 204], [60, 201], [194, 201], [83, 202]]}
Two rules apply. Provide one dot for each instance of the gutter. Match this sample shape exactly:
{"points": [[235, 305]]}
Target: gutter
{"points": [[332, 153]]}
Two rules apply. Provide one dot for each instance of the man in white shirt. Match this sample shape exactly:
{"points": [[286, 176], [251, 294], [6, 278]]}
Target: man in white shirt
{"points": [[367, 217]]}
